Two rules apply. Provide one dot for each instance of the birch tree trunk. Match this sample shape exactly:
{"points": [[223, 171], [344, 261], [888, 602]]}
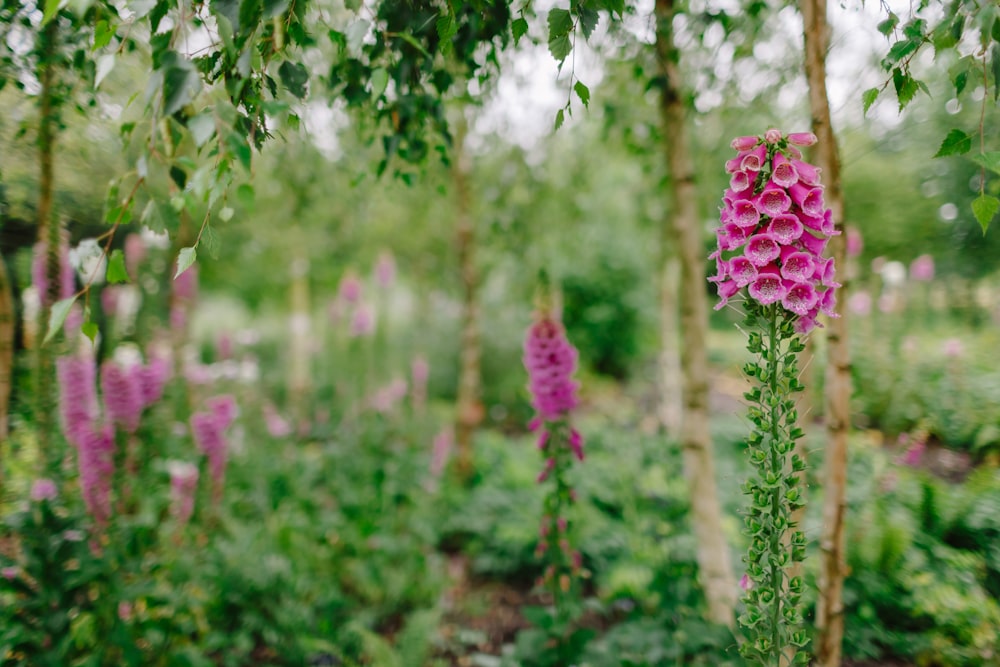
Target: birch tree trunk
{"points": [[469, 405], [715, 573], [671, 408], [830, 607]]}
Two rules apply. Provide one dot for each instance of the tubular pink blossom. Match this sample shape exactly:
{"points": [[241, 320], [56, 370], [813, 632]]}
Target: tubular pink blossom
{"points": [[772, 136], [773, 201], [761, 250], [744, 143], [727, 290], [799, 297], [152, 378], [732, 236], [742, 270], [828, 303], [808, 174], [810, 200], [783, 172], [798, 266], [785, 228], [734, 164], [802, 138], [739, 181], [754, 159], [812, 244], [745, 213], [223, 408], [767, 288]]}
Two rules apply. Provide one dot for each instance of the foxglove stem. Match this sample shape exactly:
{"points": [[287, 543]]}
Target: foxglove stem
{"points": [[772, 616], [562, 562]]}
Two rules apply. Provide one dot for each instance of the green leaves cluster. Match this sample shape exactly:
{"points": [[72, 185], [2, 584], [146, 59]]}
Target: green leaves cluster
{"points": [[968, 34], [773, 619]]}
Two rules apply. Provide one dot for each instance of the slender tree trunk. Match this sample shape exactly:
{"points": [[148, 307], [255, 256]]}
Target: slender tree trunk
{"points": [[50, 233], [830, 607], [470, 408], [6, 357], [713, 552], [671, 408]]}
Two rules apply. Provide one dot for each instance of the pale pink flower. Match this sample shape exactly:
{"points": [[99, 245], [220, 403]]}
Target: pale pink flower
{"points": [[43, 489]]}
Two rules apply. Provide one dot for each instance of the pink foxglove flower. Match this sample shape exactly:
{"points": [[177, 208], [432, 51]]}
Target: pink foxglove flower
{"points": [[772, 235], [123, 396], [209, 432], [385, 270], [135, 254], [350, 288], [152, 378], [183, 487], [78, 405], [922, 269], [43, 489], [95, 460]]}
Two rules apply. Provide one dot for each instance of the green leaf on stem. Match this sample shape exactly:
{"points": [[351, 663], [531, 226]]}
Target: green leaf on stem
{"points": [[989, 160], [57, 317], [185, 258], [984, 207], [868, 98], [956, 143], [116, 268]]}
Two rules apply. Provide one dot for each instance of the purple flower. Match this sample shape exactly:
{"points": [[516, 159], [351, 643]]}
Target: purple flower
{"points": [[802, 138], [762, 249], [754, 159], [210, 438], [745, 214], [550, 360], [800, 298], [855, 244], [183, 487], [152, 378], [385, 270], [77, 396], [922, 269], [783, 172], [808, 174], [740, 181], [772, 136], [744, 143], [135, 253], [95, 460], [797, 266], [43, 489], [767, 288], [742, 271], [223, 408], [350, 288], [810, 200], [773, 201], [785, 228], [123, 398], [727, 290]]}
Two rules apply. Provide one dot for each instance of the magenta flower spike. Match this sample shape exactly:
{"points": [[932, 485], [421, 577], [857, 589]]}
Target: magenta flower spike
{"points": [[39, 273], [95, 460], [771, 237], [78, 405], [123, 397], [550, 360]]}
